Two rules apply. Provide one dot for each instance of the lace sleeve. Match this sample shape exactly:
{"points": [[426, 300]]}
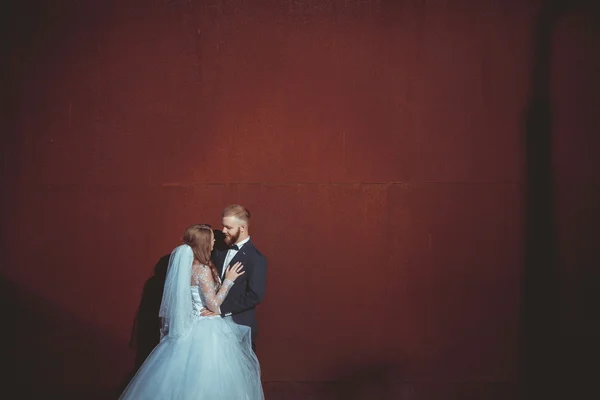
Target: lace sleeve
{"points": [[213, 297]]}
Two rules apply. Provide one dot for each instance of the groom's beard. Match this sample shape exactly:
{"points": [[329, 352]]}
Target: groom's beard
{"points": [[231, 239]]}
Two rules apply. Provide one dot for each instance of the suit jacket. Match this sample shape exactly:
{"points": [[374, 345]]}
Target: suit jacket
{"points": [[249, 288]]}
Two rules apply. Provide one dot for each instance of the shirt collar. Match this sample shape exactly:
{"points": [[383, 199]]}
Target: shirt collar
{"points": [[243, 242]]}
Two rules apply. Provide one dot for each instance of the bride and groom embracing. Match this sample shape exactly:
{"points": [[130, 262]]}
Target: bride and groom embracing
{"points": [[208, 324]]}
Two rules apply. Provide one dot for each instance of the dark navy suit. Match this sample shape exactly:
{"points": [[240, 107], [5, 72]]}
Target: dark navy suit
{"points": [[249, 288]]}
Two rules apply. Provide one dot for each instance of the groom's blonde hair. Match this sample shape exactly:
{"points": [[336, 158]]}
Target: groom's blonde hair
{"points": [[238, 211]]}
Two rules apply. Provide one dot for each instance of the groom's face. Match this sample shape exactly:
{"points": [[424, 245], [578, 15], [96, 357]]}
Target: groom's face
{"points": [[231, 230]]}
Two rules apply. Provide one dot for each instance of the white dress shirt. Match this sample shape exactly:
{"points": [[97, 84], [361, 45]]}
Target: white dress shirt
{"points": [[230, 254]]}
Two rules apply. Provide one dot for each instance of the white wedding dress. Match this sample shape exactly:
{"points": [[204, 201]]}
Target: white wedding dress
{"points": [[212, 360]]}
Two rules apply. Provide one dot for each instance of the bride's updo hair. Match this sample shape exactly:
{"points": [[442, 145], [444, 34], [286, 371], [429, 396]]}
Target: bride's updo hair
{"points": [[199, 237]]}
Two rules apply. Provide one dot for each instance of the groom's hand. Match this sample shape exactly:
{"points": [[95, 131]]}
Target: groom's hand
{"points": [[205, 312]]}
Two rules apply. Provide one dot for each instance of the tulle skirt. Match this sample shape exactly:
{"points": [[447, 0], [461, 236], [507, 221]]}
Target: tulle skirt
{"points": [[214, 361]]}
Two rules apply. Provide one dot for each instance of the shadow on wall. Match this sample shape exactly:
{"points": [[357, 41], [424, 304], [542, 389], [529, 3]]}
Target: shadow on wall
{"points": [[49, 353], [368, 382], [545, 369], [378, 381], [145, 333], [540, 280], [384, 381]]}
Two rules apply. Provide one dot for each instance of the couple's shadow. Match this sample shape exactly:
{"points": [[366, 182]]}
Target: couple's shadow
{"points": [[145, 333]]}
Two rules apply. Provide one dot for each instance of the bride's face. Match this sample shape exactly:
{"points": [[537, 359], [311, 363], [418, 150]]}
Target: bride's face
{"points": [[212, 240]]}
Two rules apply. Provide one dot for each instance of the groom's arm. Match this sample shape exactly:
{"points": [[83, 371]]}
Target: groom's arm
{"points": [[255, 290]]}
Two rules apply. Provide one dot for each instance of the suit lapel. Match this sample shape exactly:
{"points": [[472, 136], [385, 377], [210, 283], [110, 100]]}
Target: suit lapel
{"points": [[241, 254]]}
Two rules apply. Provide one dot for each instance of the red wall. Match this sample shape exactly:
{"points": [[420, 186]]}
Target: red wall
{"points": [[379, 148]]}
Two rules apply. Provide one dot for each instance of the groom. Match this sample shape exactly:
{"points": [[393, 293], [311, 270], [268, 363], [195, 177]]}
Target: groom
{"points": [[249, 289]]}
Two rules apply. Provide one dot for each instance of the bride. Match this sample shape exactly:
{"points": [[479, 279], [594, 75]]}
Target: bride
{"points": [[198, 357]]}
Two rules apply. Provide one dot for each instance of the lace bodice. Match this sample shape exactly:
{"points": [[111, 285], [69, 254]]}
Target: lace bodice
{"points": [[205, 292]]}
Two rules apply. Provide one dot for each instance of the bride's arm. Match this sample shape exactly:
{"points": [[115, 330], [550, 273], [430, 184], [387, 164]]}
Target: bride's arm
{"points": [[207, 285]]}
